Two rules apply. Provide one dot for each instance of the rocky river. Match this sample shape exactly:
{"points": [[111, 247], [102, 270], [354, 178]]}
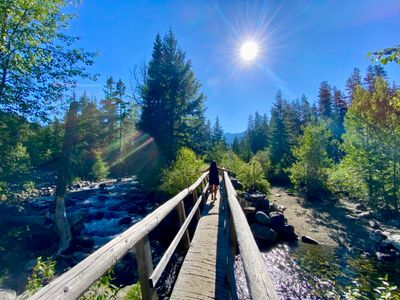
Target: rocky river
{"points": [[100, 211]]}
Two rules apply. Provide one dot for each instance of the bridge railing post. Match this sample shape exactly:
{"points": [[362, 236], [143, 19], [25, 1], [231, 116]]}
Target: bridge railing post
{"points": [[145, 268], [182, 217]]}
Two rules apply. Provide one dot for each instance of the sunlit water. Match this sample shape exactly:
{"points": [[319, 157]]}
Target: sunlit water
{"points": [[310, 271]]}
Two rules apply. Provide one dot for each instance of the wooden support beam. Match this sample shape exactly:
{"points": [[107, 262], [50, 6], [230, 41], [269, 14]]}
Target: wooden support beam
{"points": [[195, 198], [155, 276], [182, 218], [258, 280], [145, 268]]}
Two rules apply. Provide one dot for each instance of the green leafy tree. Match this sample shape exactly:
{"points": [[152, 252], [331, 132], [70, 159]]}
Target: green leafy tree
{"points": [[183, 172], [386, 55], [372, 142], [309, 173], [252, 176], [38, 62]]}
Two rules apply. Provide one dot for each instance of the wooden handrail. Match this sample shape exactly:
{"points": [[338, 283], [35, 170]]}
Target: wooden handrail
{"points": [[258, 280], [77, 280]]}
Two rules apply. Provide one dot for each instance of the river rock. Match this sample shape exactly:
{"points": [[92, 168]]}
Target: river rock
{"points": [[308, 240], [386, 256], [353, 218], [288, 233], [236, 184], [263, 232], [365, 215], [373, 224], [7, 294], [395, 241], [360, 206], [254, 197], [102, 186], [262, 218], [277, 221], [125, 221]]}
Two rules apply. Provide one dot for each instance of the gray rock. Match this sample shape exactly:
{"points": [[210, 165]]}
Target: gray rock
{"points": [[277, 195], [360, 206], [374, 224], [308, 240], [254, 197], [395, 241], [288, 233], [353, 218], [7, 294], [262, 218], [277, 221], [365, 215], [386, 256], [264, 233], [236, 184]]}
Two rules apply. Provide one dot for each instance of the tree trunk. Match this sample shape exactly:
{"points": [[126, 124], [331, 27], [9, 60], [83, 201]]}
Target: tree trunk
{"points": [[64, 175]]}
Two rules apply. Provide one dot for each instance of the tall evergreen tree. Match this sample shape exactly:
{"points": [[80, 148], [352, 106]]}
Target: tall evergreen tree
{"points": [[352, 83], [325, 100], [281, 157], [171, 101]]}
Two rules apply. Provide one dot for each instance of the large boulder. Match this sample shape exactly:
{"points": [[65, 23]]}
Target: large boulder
{"points": [[288, 234], [262, 218], [264, 233], [236, 184], [277, 221]]}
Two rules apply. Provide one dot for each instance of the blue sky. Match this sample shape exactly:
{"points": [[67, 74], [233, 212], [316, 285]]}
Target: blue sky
{"points": [[301, 44]]}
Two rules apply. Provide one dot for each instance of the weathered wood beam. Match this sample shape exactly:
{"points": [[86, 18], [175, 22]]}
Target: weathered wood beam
{"points": [[257, 277], [145, 268]]}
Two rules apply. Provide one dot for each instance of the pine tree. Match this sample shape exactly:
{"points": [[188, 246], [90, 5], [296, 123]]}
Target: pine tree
{"points": [[373, 72], [171, 102], [352, 83], [281, 157], [325, 100]]}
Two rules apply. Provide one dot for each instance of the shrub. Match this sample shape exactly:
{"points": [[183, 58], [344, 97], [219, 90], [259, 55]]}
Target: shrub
{"points": [[252, 176], [102, 289], [42, 274], [183, 172], [99, 168]]}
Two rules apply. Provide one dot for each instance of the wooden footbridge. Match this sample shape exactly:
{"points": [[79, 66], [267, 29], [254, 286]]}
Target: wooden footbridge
{"points": [[207, 270]]}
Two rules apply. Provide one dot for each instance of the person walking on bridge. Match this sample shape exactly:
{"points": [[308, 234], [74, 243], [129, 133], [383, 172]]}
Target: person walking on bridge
{"points": [[214, 178]]}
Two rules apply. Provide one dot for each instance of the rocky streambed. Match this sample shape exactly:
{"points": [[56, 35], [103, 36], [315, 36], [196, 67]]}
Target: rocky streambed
{"points": [[312, 249], [97, 212]]}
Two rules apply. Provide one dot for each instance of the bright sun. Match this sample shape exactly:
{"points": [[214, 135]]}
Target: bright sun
{"points": [[249, 50]]}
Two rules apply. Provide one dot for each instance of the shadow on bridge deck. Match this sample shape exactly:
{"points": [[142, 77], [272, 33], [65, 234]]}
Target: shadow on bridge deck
{"points": [[204, 273]]}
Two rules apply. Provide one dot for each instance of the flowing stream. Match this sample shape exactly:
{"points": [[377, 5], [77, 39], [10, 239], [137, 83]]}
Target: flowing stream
{"points": [[306, 271]]}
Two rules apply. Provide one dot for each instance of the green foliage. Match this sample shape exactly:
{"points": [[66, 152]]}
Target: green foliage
{"points": [[386, 55], [102, 289], [99, 169], [252, 176], [345, 180], [3, 191], [34, 43], [183, 172], [232, 162], [372, 142], [171, 101], [385, 291], [310, 171], [42, 274], [134, 293]]}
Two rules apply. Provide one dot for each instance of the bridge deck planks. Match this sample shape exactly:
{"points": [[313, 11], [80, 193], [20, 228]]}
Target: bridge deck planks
{"points": [[203, 274]]}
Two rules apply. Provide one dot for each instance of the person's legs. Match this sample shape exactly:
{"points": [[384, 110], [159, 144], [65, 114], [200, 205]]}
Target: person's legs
{"points": [[215, 191], [212, 191]]}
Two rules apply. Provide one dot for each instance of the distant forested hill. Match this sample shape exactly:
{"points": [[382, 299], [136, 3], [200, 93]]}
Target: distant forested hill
{"points": [[230, 136]]}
